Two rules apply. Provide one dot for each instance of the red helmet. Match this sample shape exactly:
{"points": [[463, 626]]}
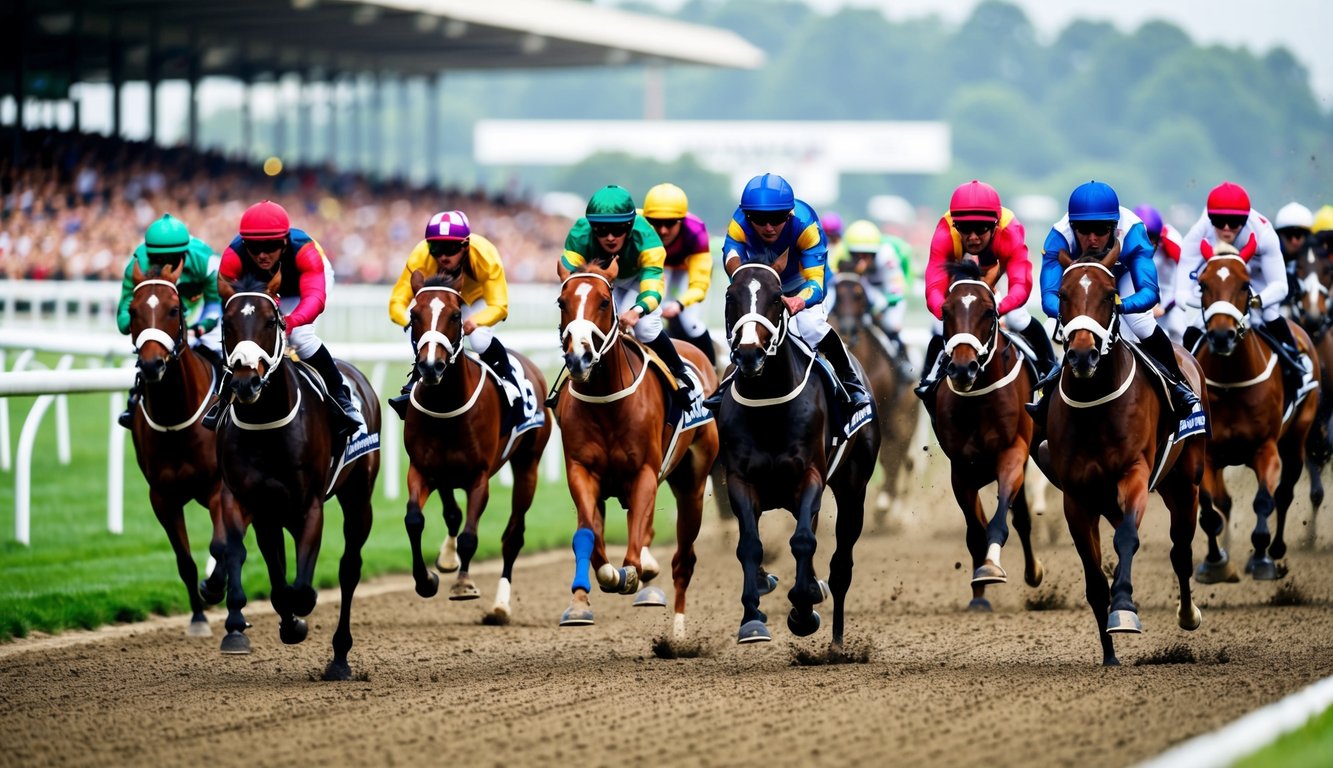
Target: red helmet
{"points": [[1229, 199], [265, 221], [975, 201]]}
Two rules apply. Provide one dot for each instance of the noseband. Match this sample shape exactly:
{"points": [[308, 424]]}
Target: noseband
{"points": [[1106, 336], [157, 334], [581, 329], [248, 353], [985, 350], [777, 334], [433, 336], [1228, 309]]}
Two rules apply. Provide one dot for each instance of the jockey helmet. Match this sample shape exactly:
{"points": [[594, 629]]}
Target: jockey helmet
{"points": [[768, 192], [863, 236], [975, 201], [166, 235], [666, 201], [1323, 219], [1229, 199], [1294, 216], [831, 223], [1152, 220], [265, 221], [610, 205], [448, 225], [1094, 201]]}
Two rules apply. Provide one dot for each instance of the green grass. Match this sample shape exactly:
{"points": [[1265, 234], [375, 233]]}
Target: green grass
{"points": [[1311, 745], [76, 574]]}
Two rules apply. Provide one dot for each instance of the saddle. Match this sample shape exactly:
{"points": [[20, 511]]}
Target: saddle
{"points": [[686, 417], [1297, 381], [524, 413]]}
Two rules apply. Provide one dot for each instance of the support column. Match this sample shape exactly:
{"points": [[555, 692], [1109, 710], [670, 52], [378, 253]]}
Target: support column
{"points": [[192, 99], [154, 75], [331, 153], [404, 126], [117, 73], [75, 54], [279, 120], [303, 99], [19, 24]]}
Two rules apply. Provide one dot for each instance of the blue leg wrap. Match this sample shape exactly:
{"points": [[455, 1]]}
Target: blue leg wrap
{"points": [[583, 541]]}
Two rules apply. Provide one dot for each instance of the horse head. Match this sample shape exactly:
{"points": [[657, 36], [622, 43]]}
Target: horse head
{"points": [[971, 324], [1227, 296], [851, 306], [254, 333], [157, 319], [1314, 279], [588, 323], [436, 315], [1089, 308], [755, 314]]}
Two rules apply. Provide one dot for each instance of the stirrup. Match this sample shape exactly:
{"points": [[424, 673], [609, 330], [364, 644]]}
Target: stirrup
{"points": [[399, 404], [126, 418], [214, 415]]}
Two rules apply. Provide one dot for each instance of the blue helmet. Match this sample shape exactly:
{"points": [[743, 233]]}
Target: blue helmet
{"points": [[769, 192], [1152, 220], [1094, 201]]}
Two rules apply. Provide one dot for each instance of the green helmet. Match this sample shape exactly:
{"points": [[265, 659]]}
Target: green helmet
{"points": [[166, 235], [610, 205]]}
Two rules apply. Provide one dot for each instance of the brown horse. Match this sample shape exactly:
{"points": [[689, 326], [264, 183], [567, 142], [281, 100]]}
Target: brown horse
{"points": [[177, 456], [280, 459], [1312, 309], [1108, 421], [617, 443], [896, 406], [1253, 426], [983, 428], [455, 437]]}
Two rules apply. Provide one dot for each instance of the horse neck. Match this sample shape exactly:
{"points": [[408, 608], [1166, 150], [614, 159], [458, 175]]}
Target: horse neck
{"points": [[186, 381], [455, 387], [614, 372], [1110, 375], [1247, 361], [277, 397], [782, 373]]}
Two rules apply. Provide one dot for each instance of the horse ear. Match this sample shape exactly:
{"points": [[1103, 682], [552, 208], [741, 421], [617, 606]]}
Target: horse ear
{"points": [[418, 279], [225, 289], [138, 273], [274, 283], [780, 263], [613, 269], [1248, 249], [1065, 259], [1112, 255], [170, 273]]}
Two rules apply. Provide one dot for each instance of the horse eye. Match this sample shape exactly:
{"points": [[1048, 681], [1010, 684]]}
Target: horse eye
{"points": [[606, 303], [272, 322], [455, 316], [175, 312], [560, 302]]}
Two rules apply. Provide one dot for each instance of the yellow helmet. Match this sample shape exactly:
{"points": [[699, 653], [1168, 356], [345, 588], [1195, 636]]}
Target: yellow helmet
{"points": [[1323, 219], [666, 201], [862, 236]]}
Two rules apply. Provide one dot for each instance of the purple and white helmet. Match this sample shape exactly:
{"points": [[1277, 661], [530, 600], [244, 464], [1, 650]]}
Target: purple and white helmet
{"points": [[448, 225]]}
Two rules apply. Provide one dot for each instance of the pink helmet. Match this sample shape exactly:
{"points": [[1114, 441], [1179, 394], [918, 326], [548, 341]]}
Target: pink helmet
{"points": [[265, 221], [975, 201], [448, 225], [1229, 199]]}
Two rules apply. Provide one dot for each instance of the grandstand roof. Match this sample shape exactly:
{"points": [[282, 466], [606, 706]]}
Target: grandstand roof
{"points": [[260, 38]]}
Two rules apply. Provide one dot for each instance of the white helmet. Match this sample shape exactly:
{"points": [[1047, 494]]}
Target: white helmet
{"points": [[1294, 215]]}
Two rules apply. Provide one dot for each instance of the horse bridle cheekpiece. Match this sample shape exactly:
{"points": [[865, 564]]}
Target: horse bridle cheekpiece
{"points": [[433, 336], [744, 325], [1222, 307], [1105, 335], [584, 331], [986, 349], [248, 353], [157, 334]]}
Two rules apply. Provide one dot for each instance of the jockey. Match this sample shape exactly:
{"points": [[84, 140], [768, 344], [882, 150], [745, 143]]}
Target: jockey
{"points": [[1293, 224], [611, 230], [168, 243], [267, 244], [1321, 231], [978, 228], [689, 263], [831, 223], [1165, 240], [1095, 216], [1230, 219], [883, 271], [450, 247], [771, 223]]}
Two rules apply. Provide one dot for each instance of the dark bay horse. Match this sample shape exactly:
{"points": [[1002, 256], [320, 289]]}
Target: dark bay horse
{"points": [[781, 448], [618, 444], [177, 455], [280, 460], [1312, 309], [983, 428], [1107, 423], [1245, 392], [895, 405], [455, 438]]}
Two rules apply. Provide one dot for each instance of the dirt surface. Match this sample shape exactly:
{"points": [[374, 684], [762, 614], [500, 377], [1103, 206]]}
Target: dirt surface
{"points": [[933, 684]]}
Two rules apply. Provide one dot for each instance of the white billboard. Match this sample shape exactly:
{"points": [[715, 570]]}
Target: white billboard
{"points": [[811, 154]]}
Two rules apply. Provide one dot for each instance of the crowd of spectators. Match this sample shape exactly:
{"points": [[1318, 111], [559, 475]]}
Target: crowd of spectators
{"points": [[75, 206]]}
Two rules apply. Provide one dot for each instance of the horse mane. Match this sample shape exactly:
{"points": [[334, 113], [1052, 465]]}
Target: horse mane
{"points": [[963, 270], [250, 284], [441, 280]]}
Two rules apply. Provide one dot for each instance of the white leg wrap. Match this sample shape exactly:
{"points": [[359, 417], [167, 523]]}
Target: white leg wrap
{"points": [[993, 553], [648, 562], [678, 627], [608, 575], [502, 594]]}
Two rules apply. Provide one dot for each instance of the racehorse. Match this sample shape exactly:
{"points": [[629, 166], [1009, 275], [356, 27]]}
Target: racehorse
{"points": [[1311, 308], [781, 446], [280, 459], [1252, 426], [456, 437], [618, 443], [177, 455], [1107, 423], [983, 428], [895, 405]]}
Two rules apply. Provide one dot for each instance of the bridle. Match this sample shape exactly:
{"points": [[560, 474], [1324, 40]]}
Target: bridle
{"points": [[1106, 336], [581, 330], [248, 353], [1229, 309], [154, 333], [743, 326], [985, 350], [434, 337]]}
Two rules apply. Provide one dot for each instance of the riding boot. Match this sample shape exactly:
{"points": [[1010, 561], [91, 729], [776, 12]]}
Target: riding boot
{"points": [[399, 402], [834, 352], [1160, 348], [1035, 335], [930, 367], [346, 418], [1189, 339], [126, 419], [497, 357], [1295, 364], [665, 349]]}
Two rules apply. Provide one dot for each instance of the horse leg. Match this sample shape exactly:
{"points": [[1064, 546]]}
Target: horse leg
{"points": [[806, 590], [1009, 482], [268, 534], [589, 546], [477, 497], [1033, 572], [418, 492], [171, 515], [213, 588], [234, 525], [639, 508], [1293, 456], [1267, 470], [308, 540], [1216, 566], [849, 493], [1083, 528], [1314, 470], [358, 516], [688, 488], [1132, 501], [975, 518], [1181, 494], [511, 542], [447, 560], [750, 553]]}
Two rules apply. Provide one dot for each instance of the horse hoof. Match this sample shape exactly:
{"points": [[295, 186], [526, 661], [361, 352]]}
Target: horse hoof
{"points": [[803, 627], [447, 560], [293, 632], [630, 583], [429, 586], [767, 584], [337, 671], [576, 617], [199, 628], [753, 631], [1210, 572], [979, 605], [989, 573], [464, 590], [235, 644], [1264, 569], [650, 597], [1124, 622], [651, 568], [1193, 620], [824, 592], [1034, 578], [209, 596]]}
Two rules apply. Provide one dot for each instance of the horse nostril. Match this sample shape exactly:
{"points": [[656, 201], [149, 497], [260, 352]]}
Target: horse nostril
{"points": [[973, 368], [438, 368]]}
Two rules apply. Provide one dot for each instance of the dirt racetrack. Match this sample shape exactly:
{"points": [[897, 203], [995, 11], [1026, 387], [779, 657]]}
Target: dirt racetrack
{"points": [[938, 685]]}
